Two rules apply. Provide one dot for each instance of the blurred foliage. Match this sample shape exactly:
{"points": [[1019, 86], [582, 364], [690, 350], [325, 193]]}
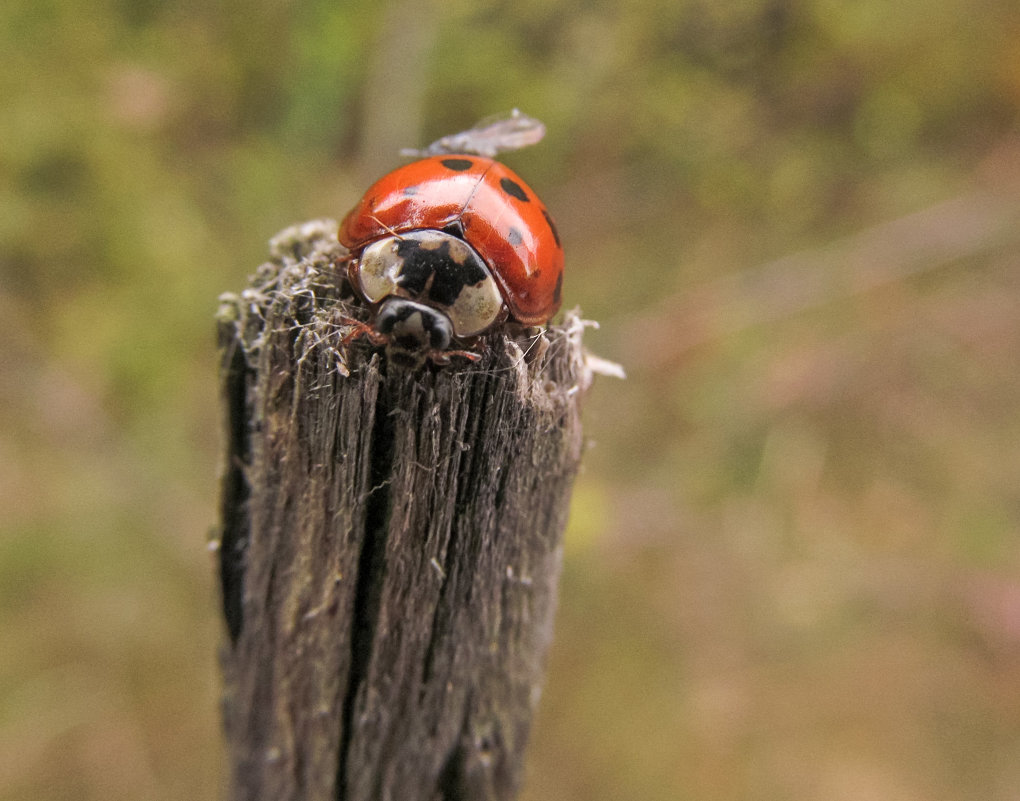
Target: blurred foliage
{"points": [[792, 573]]}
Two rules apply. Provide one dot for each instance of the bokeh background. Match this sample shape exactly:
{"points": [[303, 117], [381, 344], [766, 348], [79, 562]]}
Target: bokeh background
{"points": [[792, 566]]}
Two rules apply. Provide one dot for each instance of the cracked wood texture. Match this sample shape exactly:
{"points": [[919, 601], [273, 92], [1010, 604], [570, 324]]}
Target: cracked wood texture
{"points": [[389, 545]]}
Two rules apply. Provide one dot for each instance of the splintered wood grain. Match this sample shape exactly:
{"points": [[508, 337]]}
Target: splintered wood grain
{"points": [[389, 545]]}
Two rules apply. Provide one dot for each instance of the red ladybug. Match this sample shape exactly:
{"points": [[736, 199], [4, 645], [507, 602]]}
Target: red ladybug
{"points": [[447, 247]]}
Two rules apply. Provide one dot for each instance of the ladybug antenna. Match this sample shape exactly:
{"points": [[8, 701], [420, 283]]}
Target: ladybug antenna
{"points": [[488, 138]]}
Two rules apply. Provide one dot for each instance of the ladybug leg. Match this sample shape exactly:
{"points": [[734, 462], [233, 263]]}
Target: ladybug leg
{"points": [[342, 268], [347, 268], [342, 263], [444, 357], [479, 348], [357, 329]]}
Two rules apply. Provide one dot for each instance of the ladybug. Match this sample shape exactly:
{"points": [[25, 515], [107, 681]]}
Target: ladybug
{"points": [[447, 247]]}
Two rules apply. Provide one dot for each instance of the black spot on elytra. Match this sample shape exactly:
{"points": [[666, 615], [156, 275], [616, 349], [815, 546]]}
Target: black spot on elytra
{"points": [[410, 190], [448, 277], [459, 165], [513, 236], [558, 291], [552, 227], [514, 188]]}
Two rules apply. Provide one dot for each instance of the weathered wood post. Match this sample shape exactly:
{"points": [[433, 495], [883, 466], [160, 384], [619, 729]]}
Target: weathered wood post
{"points": [[389, 544]]}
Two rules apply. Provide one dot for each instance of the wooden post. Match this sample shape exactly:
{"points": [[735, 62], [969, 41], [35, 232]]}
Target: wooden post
{"points": [[389, 545]]}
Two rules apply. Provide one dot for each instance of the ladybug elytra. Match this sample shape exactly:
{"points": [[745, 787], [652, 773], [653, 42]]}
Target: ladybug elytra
{"points": [[446, 247]]}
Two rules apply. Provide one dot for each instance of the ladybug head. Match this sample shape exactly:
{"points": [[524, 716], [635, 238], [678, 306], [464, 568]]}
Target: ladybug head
{"points": [[412, 330]]}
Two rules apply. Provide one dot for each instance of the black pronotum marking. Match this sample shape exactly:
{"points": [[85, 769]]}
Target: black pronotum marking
{"points": [[552, 227], [435, 273], [459, 165], [515, 189]]}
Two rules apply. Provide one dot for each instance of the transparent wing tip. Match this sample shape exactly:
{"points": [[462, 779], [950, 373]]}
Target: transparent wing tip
{"points": [[488, 138]]}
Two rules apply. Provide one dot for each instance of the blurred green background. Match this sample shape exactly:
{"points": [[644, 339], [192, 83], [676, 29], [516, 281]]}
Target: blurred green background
{"points": [[792, 566]]}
